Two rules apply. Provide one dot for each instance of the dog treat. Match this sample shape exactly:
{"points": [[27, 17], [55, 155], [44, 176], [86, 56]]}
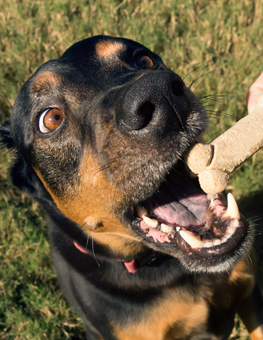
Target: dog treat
{"points": [[214, 162]]}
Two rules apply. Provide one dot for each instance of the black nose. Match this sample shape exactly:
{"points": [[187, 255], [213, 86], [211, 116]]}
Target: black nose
{"points": [[152, 96]]}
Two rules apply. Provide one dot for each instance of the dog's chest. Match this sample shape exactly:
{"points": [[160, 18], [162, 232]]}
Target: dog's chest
{"points": [[173, 316], [183, 314]]}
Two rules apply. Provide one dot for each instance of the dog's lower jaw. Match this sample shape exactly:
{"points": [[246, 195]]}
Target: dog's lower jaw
{"points": [[214, 240]]}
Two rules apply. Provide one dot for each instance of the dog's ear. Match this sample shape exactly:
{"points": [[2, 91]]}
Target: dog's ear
{"points": [[5, 135], [23, 176]]}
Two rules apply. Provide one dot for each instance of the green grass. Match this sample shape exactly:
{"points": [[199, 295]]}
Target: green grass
{"points": [[219, 42]]}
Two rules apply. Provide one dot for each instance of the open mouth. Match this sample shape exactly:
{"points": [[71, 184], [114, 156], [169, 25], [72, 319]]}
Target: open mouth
{"points": [[179, 218]]}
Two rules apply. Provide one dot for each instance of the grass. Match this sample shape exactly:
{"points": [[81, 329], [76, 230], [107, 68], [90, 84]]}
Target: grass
{"points": [[216, 44]]}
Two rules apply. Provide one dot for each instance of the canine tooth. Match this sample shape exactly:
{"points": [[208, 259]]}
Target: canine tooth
{"points": [[141, 211], [177, 229], [166, 228], [236, 223], [212, 203], [232, 208], [150, 221], [211, 199], [193, 241]]}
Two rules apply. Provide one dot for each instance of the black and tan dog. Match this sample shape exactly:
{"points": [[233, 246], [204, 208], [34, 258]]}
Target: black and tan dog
{"points": [[141, 253]]}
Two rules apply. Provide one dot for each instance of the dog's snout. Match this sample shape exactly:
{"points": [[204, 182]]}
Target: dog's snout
{"points": [[149, 99]]}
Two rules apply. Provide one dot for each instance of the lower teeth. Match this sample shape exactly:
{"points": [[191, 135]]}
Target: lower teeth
{"points": [[195, 241], [166, 228]]}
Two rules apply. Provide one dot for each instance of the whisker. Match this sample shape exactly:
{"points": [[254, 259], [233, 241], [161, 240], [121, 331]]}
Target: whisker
{"points": [[87, 242], [92, 247], [202, 76], [106, 166], [249, 260], [217, 95], [160, 66], [196, 68]]}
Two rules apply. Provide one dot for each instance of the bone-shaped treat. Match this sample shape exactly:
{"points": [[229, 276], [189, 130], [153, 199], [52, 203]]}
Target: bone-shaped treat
{"points": [[214, 162]]}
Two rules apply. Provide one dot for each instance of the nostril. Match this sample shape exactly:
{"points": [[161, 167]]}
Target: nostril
{"points": [[139, 117], [177, 87], [146, 111]]}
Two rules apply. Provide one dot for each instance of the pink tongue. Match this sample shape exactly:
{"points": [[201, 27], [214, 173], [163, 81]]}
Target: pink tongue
{"points": [[179, 202], [185, 212]]}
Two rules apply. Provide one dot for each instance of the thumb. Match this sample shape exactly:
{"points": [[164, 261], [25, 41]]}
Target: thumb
{"points": [[254, 92]]}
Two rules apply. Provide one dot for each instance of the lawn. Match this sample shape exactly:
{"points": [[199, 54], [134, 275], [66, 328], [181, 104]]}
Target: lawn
{"points": [[216, 45]]}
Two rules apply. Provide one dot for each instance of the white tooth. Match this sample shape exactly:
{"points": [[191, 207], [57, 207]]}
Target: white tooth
{"points": [[166, 228], [177, 229], [212, 203], [140, 211], [150, 222], [193, 241], [231, 231], [236, 223], [217, 242], [224, 239], [208, 244], [232, 208]]}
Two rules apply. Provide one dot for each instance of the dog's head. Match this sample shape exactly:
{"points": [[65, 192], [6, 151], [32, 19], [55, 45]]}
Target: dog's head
{"points": [[101, 132]]}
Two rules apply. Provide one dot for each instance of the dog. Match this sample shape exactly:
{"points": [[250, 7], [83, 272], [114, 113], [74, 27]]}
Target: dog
{"points": [[99, 137]]}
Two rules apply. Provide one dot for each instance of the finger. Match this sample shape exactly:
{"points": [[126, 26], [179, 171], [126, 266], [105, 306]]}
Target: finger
{"points": [[254, 92]]}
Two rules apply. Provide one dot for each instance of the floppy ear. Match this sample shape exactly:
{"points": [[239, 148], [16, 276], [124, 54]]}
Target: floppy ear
{"points": [[5, 136], [23, 176]]}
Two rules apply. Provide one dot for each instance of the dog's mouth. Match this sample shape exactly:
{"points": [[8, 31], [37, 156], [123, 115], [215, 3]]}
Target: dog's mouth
{"points": [[180, 218]]}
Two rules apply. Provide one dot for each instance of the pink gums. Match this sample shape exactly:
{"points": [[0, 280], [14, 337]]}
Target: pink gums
{"points": [[155, 234]]}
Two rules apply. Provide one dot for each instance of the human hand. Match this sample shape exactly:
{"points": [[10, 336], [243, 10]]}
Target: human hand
{"points": [[254, 92]]}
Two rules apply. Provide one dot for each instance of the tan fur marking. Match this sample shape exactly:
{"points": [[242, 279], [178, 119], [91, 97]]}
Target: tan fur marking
{"points": [[177, 313], [249, 315], [45, 81], [237, 287], [91, 204], [257, 334], [248, 311], [159, 323], [108, 49], [243, 274]]}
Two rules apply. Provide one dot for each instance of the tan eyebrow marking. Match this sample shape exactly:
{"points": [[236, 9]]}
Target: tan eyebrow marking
{"points": [[45, 81], [109, 49]]}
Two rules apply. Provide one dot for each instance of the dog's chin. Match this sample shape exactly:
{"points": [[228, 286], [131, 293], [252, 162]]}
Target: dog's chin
{"points": [[207, 234]]}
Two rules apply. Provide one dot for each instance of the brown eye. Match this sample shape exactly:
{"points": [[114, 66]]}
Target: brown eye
{"points": [[50, 120], [143, 62]]}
